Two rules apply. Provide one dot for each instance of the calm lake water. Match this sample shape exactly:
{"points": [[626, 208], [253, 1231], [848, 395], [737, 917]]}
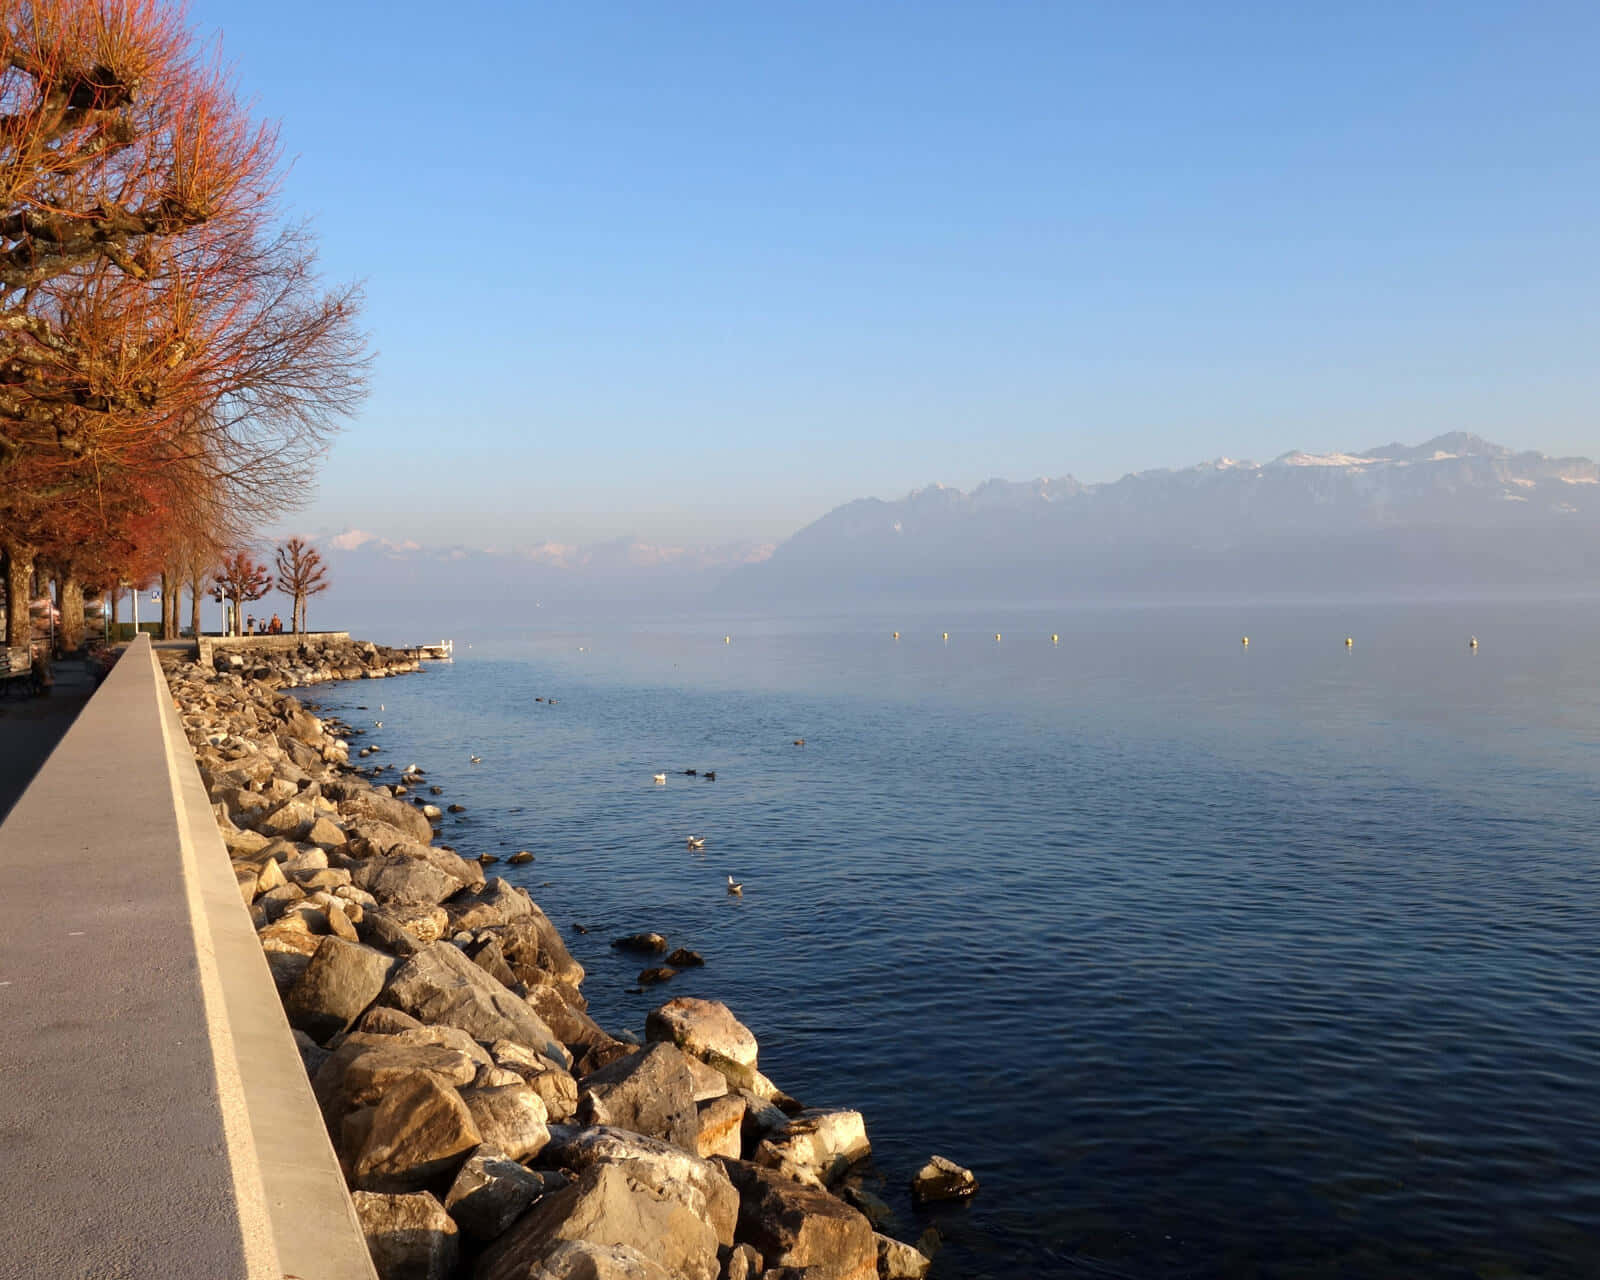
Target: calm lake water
{"points": [[1209, 960]]}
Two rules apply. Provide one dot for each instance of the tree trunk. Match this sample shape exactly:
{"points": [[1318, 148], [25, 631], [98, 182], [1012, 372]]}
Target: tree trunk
{"points": [[71, 613], [19, 576], [116, 609], [194, 606]]}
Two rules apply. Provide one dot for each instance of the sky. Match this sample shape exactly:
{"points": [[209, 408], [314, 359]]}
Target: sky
{"points": [[701, 272]]}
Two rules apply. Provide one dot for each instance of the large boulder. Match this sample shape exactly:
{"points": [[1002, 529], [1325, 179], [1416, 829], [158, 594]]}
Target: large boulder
{"points": [[417, 1137], [572, 1026], [649, 1092], [817, 1145], [367, 838], [799, 1226], [368, 803], [512, 1118], [487, 906], [582, 1260], [616, 1205], [705, 1028], [657, 1162], [342, 979], [900, 1261], [366, 1067], [404, 880], [410, 1237], [289, 821], [491, 1192], [532, 942], [440, 985], [721, 1124], [943, 1179]]}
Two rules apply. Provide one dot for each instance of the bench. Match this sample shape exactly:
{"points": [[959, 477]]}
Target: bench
{"points": [[16, 665]]}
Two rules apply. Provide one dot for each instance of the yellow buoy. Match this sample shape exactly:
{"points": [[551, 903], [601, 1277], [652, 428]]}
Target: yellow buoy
{"points": [[996, 635], [946, 635], [727, 639], [1472, 643], [896, 635], [1245, 641], [1348, 641], [1055, 639]]}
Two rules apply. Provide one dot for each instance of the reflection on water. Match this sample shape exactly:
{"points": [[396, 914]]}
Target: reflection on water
{"points": [[1211, 960]]}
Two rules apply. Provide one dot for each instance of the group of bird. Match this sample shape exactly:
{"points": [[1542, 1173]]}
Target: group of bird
{"points": [[696, 843]]}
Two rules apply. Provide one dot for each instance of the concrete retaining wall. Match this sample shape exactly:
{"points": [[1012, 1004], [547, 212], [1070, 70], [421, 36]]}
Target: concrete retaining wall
{"points": [[155, 1120], [208, 646]]}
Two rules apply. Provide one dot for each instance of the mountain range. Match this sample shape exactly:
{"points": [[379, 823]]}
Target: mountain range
{"points": [[1454, 512]]}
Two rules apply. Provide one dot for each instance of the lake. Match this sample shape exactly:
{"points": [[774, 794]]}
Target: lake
{"points": [[1208, 959]]}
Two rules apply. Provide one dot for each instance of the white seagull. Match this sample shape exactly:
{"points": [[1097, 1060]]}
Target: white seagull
{"points": [[696, 842], [475, 759], [660, 779], [734, 887]]}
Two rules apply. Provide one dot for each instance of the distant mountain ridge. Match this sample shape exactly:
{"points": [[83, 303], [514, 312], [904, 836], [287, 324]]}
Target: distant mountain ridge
{"points": [[1454, 511]]}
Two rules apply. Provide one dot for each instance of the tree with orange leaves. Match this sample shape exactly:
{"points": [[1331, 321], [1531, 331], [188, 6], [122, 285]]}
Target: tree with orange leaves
{"points": [[160, 333], [301, 573], [241, 579]]}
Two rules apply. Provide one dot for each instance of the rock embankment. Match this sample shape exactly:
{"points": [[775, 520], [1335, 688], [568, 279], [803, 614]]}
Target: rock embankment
{"points": [[487, 1126], [316, 661]]}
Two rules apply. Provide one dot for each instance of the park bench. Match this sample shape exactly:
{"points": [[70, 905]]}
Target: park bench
{"points": [[16, 667]]}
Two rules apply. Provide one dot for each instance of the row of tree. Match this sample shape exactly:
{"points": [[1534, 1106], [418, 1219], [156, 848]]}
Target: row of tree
{"points": [[171, 367], [237, 580]]}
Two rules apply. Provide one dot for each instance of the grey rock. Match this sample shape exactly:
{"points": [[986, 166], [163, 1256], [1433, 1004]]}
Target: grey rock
{"points": [[798, 1226], [658, 1162], [440, 985], [610, 1206], [418, 1136], [649, 1092], [342, 979], [943, 1179], [410, 1237], [511, 1118], [404, 880], [493, 903], [490, 1193]]}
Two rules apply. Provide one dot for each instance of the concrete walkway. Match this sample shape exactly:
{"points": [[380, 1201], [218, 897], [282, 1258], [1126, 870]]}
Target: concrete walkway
{"points": [[155, 1119], [31, 727]]}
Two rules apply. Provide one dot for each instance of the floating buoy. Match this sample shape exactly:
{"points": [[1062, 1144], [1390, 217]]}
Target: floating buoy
{"points": [[1349, 641], [947, 636], [896, 635], [727, 639], [1472, 643], [997, 635], [1245, 641], [1055, 639]]}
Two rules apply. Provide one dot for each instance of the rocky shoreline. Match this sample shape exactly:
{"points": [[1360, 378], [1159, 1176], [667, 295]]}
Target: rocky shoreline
{"points": [[487, 1126]]}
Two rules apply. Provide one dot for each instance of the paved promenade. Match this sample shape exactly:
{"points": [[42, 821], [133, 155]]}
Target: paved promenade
{"points": [[155, 1120]]}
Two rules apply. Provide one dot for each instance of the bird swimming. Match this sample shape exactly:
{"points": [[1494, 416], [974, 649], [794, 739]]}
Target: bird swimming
{"points": [[799, 742], [696, 842], [660, 778], [734, 887], [377, 724], [475, 759], [690, 773], [710, 775]]}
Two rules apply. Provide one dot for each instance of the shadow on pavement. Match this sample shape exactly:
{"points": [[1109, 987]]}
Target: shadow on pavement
{"points": [[31, 727]]}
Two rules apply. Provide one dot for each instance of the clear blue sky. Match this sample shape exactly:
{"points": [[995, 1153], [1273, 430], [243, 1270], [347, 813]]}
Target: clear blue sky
{"points": [[701, 271]]}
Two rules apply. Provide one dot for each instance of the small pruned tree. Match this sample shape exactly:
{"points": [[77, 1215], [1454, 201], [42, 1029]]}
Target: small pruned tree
{"points": [[301, 574], [241, 579]]}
